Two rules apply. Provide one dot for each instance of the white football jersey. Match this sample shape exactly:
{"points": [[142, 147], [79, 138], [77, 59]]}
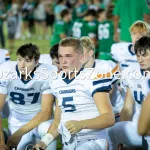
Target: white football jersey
{"points": [[4, 56], [24, 95], [45, 59], [122, 53], [111, 67], [75, 97], [136, 80]]}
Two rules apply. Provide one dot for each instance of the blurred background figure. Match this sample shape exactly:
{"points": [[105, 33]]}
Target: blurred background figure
{"points": [[2, 17], [105, 35], [27, 18], [59, 7], [12, 28], [62, 27], [125, 13], [50, 18], [96, 4], [40, 19]]}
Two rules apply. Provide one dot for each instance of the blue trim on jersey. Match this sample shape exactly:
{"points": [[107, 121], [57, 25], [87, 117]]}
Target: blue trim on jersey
{"points": [[129, 48], [101, 81], [142, 72], [149, 83], [114, 81], [7, 59], [67, 81], [102, 89], [124, 65], [22, 79], [94, 64]]}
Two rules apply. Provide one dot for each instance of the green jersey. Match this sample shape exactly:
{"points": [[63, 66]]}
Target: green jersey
{"points": [[84, 28], [105, 38], [89, 29], [77, 28], [60, 27]]}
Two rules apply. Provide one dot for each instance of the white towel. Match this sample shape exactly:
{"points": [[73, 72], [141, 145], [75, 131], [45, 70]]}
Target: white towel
{"points": [[69, 141]]}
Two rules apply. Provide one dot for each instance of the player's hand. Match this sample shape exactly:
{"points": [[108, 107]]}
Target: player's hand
{"points": [[3, 147], [40, 146], [73, 126], [14, 140]]}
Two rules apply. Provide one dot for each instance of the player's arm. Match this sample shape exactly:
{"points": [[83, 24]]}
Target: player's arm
{"points": [[52, 133], [127, 111], [144, 121], [106, 118], [147, 18], [116, 18], [43, 115], [2, 141], [116, 25]]}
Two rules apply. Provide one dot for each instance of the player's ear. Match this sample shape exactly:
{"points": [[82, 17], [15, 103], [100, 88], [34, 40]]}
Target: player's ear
{"points": [[36, 63], [81, 58], [91, 53]]}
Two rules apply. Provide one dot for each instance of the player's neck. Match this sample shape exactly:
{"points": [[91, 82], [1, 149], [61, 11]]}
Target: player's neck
{"points": [[25, 77], [90, 63], [73, 73]]}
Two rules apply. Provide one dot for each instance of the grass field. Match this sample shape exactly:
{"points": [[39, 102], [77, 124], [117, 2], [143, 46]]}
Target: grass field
{"points": [[44, 49]]}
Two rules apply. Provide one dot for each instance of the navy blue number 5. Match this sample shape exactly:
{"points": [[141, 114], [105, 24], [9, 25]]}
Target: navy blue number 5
{"points": [[66, 104]]}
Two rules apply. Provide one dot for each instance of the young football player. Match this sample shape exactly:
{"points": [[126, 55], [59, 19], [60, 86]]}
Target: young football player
{"points": [[83, 107], [135, 77], [99, 66], [26, 85], [105, 34], [124, 53]]}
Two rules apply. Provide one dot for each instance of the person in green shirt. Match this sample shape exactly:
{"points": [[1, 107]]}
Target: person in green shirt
{"points": [[127, 12], [79, 10], [61, 27], [2, 18], [90, 25], [105, 32], [85, 26]]}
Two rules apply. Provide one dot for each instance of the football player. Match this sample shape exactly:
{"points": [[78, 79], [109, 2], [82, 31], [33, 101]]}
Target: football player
{"points": [[83, 107], [26, 84], [135, 77], [109, 67]]}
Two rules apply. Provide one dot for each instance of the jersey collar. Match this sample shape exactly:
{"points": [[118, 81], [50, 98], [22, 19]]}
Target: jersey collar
{"points": [[129, 48], [22, 79], [143, 74], [94, 64], [67, 81]]}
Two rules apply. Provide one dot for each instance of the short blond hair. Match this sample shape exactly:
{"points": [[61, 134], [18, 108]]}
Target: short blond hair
{"points": [[139, 26], [87, 43], [72, 42]]}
